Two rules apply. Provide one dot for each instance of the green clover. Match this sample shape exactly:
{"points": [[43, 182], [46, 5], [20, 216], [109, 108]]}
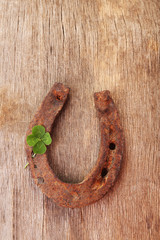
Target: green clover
{"points": [[38, 140]]}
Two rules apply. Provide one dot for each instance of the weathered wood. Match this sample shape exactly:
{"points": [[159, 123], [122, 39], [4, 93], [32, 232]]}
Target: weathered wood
{"points": [[89, 46]]}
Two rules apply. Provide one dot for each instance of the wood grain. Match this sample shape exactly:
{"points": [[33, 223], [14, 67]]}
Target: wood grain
{"points": [[89, 46]]}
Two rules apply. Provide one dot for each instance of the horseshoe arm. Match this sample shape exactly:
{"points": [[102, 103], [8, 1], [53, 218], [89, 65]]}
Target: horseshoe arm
{"points": [[102, 176]]}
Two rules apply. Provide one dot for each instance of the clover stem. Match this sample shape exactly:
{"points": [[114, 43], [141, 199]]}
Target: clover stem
{"points": [[26, 165], [33, 155]]}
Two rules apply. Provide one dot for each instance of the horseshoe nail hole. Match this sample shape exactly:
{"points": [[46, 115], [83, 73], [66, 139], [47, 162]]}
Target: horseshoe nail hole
{"points": [[40, 180], [112, 146], [58, 97], [35, 166], [104, 172]]}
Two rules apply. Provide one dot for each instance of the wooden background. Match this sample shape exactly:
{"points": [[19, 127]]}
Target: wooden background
{"points": [[90, 46]]}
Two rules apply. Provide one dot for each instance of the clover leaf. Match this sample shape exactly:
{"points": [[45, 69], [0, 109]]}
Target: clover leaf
{"points": [[32, 140], [39, 139], [39, 148], [38, 131], [47, 138]]}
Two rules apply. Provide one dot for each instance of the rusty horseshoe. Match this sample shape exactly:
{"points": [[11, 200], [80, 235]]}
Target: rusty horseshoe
{"points": [[102, 176]]}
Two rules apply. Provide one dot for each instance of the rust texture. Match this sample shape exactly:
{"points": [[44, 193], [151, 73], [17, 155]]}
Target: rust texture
{"points": [[102, 176]]}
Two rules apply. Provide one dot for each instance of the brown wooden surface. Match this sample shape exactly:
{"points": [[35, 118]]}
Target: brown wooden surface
{"points": [[90, 46]]}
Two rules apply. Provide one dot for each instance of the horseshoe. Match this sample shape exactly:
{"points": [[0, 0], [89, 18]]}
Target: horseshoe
{"points": [[102, 176]]}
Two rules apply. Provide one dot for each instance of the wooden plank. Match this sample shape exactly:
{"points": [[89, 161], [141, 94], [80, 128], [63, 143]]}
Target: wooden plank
{"points": [[89, 46]]}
